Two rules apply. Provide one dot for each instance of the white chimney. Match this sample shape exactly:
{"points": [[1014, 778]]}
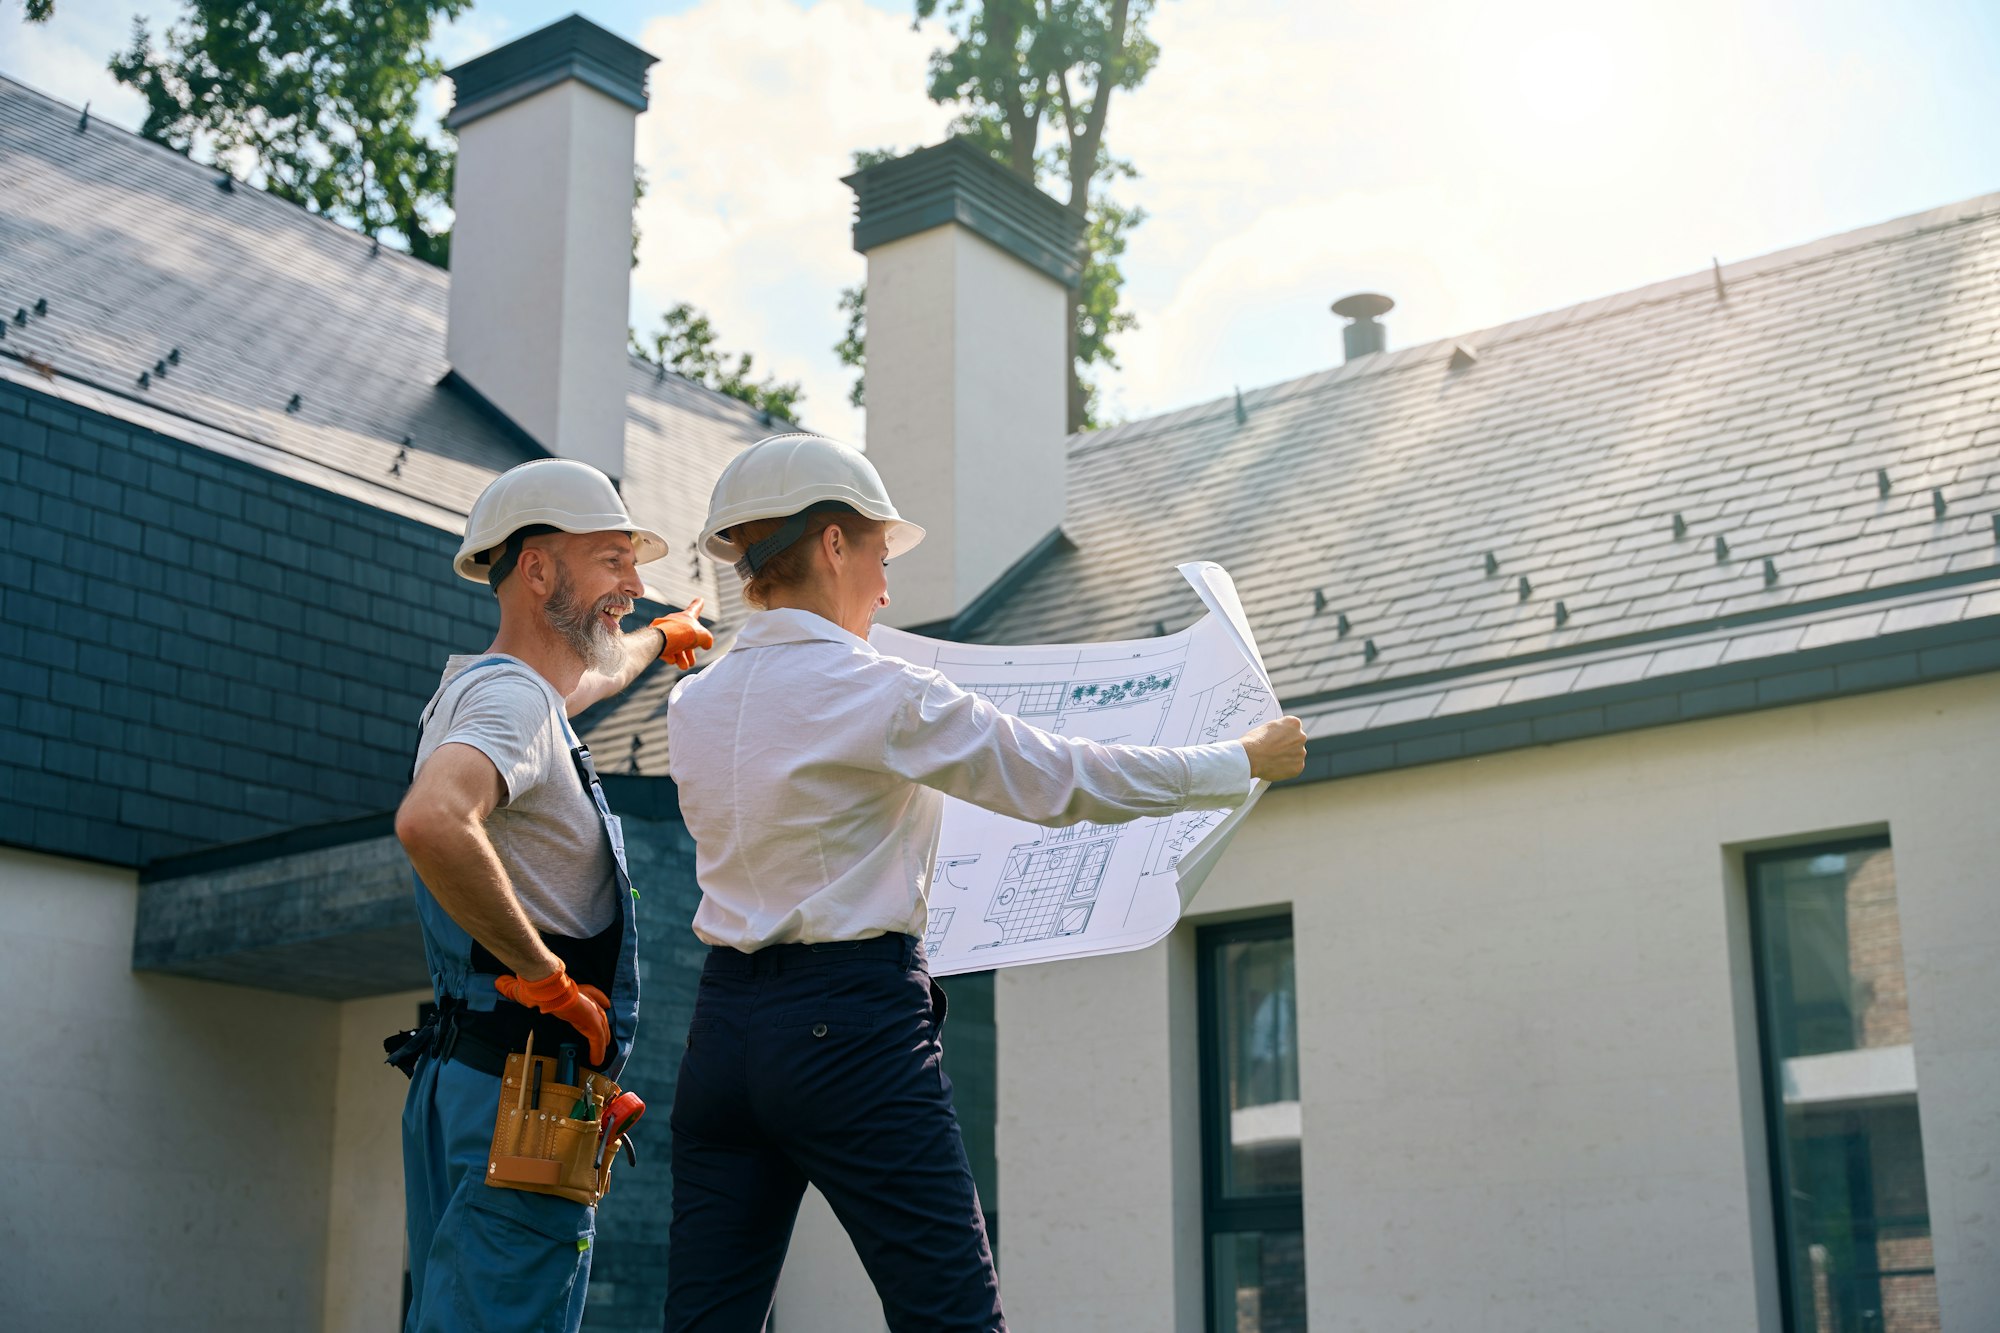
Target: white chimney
{"points": [[970, 271], [541, 249]]}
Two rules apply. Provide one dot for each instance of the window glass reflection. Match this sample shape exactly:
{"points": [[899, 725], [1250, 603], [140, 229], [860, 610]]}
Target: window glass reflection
{"points": [[1261, 1057], [1846, 1142]]}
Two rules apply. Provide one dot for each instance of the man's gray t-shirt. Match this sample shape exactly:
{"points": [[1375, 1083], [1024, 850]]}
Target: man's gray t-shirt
{"points": [[546, 831]]}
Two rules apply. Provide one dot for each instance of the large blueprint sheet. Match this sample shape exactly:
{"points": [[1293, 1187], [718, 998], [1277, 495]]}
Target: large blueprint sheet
{"points": [[1004, 892]]}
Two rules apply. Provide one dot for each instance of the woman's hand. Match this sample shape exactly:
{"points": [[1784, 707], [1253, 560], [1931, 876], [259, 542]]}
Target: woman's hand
{"points": [[1277, 750]]}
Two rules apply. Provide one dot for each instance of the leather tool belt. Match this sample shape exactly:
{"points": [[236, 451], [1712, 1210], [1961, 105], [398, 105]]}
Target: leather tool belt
{"points": [[548, 1137]]}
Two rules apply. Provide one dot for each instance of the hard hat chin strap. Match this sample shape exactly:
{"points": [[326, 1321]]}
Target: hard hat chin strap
{"points": [[762, 553]]}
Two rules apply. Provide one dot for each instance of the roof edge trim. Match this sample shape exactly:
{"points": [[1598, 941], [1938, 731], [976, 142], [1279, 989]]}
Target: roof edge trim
{"points": [[1865, 666]]}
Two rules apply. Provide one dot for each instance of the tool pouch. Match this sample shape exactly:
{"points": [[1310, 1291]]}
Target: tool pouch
{"points": [[542, 1149]]}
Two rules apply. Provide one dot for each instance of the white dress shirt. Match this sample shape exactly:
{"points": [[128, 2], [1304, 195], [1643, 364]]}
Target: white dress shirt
{"points": [[813, 771]]}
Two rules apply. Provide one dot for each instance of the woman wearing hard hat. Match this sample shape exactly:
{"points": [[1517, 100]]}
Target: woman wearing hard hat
{"points": [[812, 774]]}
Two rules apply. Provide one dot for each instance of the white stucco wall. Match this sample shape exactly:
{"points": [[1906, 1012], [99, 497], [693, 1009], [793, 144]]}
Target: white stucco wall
{"points": [[824, 1288], [1528, 1066], [364, 1226], [541, 259], [168, 1144], [968, 386]]}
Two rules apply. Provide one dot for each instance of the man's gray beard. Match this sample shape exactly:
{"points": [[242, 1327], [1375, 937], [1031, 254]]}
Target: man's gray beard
{"points": [[579, 626]]}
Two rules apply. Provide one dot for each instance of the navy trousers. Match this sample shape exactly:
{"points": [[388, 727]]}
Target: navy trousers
{"points": [[820, 1064]]}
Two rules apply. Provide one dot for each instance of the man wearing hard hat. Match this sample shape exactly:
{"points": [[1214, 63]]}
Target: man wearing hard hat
{"points": [[522, 889]]}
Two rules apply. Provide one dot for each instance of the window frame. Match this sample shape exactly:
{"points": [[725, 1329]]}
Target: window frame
{"points": [[1769, 1066], [1222, 1215]]}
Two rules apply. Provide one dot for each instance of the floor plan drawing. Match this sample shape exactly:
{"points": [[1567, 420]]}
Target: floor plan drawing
{"points": [[1050, 887], [1004, 891], [1119, 707], [1228, 705], [939, 922], [1179, 835]]}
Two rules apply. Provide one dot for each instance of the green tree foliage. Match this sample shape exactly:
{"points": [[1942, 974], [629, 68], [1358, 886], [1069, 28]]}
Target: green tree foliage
{"points": [[852, 349], [38, 11], [321, 97], [686, 345], [1018, 67]]}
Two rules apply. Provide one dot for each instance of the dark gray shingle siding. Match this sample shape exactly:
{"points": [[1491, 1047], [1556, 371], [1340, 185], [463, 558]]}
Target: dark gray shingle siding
{"points": [[138, 254], [194, 650]]}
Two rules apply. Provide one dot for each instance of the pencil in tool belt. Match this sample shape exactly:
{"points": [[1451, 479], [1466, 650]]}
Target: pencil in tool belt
{"points": [[521, 1104]]}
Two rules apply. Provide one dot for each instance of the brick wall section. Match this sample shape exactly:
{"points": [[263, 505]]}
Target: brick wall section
{"points": [[194, 650], [1875, 954], [628, 1271]]}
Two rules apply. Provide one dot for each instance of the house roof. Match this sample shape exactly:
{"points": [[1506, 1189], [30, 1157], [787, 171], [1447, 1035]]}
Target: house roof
{"points": [[1762, 404], [1775, 439], [140, 254]]}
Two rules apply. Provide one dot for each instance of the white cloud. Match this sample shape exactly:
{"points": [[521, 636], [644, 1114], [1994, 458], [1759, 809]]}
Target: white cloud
{"points": [[756, 108], [1482, 162], [68, 57], [1478, 162]]}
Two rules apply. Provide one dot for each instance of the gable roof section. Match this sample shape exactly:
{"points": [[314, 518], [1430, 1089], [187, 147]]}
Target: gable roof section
{"points": [[140, 253], [279, 577], [1760, 413]]}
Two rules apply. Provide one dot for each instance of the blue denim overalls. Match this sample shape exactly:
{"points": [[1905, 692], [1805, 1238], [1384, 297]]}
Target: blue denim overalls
{"points": [[482, 1257]]}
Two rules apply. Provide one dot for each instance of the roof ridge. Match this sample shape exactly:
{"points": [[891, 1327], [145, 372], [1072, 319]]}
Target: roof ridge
{"points": [[1661, 291], [638, 360], [1959, 212]]}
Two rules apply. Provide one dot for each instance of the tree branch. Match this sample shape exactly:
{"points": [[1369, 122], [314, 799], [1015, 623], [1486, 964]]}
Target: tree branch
{"points": [[1022, 127], [1085, 151]]}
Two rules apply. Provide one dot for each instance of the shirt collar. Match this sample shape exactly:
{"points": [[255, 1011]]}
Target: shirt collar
{"points": [[765, 629]]}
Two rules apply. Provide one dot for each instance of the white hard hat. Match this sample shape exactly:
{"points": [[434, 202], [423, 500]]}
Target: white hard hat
{"points": [[785, 475], [549, 492]]}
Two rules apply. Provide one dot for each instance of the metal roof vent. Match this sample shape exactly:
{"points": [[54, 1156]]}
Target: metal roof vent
{"points": [[1363, 336]]}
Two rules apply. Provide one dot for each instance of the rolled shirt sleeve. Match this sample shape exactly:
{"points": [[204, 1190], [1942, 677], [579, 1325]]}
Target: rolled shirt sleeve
{"points": [[958, 743]]}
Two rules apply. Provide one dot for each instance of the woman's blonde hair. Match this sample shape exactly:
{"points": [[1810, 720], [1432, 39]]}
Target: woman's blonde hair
{"points": [[792, 567]]}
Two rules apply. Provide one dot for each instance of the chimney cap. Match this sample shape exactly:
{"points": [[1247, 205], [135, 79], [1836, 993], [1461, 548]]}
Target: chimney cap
{"points": [[571, 48], [1363, 305], [958, 181]]}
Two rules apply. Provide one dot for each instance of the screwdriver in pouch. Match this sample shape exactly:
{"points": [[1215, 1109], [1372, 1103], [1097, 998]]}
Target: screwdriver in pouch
{"points": [[566, 1075]]}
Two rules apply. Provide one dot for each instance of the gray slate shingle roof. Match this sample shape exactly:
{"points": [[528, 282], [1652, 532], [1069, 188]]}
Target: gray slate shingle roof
{"points": [[1761, 416], [138, 252], [1566, 448]]}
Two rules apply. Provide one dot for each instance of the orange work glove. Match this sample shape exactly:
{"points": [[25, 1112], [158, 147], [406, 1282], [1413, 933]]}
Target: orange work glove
{"points": [[582, 1007], [684, 634]]}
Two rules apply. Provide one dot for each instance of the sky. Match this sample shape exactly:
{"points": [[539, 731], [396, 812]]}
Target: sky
{"points": [[1477, 162]]}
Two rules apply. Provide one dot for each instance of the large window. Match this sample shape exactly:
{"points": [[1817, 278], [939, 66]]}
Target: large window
{"points": [[1250, 1129], [1847, 1155]]}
